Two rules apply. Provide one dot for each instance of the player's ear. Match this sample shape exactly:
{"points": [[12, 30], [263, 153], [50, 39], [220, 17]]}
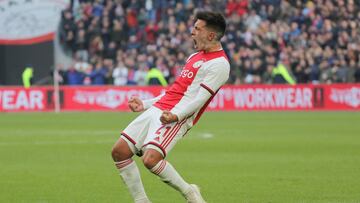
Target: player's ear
{"points": [[211, 36]]}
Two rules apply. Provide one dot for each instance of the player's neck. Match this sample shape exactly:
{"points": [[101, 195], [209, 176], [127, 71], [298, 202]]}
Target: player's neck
{"points": [[213, 47]]}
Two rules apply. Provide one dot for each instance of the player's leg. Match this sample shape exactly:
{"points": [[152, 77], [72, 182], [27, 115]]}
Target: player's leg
{"points": [[156, 148], [154, 161], [129, 172], [123, 151]]}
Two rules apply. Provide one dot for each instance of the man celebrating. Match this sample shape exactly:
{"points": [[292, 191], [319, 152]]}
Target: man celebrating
{"points": [[169, 116]]}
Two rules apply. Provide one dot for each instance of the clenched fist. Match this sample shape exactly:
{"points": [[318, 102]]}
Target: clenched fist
{"points": [[135, 104], [168, 117]]}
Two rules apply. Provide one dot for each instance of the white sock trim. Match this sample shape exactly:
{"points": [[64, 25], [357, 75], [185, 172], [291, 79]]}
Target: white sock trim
{"points": [[122, 164], [159, 167]]}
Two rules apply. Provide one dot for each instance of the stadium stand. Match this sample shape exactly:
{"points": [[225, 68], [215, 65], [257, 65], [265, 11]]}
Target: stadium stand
{"points": [[317, 41]]}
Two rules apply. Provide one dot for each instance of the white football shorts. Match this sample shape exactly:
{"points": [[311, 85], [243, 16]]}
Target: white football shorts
{"points": [[147, 131]]}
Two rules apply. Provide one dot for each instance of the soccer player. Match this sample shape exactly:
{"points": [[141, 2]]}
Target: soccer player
{"points": [[168, 117]]}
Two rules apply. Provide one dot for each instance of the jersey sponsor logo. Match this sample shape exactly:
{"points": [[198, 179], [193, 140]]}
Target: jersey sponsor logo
{"points": [[197, 64], [186, 74]]}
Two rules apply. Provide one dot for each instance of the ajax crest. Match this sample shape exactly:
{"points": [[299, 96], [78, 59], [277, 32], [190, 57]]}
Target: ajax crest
{"points": [[197, 64]]}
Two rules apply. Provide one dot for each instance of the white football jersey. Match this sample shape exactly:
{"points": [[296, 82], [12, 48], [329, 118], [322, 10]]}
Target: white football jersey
{"points": [[202, 70]]}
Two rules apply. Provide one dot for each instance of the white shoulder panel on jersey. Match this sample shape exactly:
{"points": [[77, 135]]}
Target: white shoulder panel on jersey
{"points": [[217, 73]]}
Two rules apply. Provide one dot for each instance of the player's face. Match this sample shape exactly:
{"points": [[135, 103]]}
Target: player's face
{"points": [[200, 35]]}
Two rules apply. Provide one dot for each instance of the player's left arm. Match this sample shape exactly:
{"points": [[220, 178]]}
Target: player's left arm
{"points": [[216, 76]]}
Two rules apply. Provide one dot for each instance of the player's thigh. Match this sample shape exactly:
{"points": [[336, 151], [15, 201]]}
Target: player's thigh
{"points": [[163, 137], [135, 133]]}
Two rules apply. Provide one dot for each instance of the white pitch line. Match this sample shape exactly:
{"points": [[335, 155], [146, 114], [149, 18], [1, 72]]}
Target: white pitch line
{"points": [[59, 132], [201, 135], [55, 143], [206, 135]]}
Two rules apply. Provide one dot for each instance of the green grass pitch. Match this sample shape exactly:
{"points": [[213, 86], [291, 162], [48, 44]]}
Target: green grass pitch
{"points": [[255, 157]]}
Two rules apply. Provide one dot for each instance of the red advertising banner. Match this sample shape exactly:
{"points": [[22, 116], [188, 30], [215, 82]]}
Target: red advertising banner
{"points": [[342, 97], [20, 99], [104, 97], [229, 98], [284, 97]]}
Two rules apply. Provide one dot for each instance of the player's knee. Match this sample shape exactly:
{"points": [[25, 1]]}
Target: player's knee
{"points": [[116, 153], [121, 152], [151, 158]]}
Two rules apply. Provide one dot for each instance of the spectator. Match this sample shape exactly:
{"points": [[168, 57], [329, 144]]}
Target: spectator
{"points": [[81, 45], [74, 77], [357, 74], [27, 76], [118, 35], [140, 75], [98, 75], [253, 21], [151, 32], [321, 39], [87, 74], [120, 74], [238, 7], [155, 77], [281, 73]]}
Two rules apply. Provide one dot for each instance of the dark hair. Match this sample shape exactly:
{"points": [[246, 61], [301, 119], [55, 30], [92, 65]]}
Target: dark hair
{"points": [[214, 20]]}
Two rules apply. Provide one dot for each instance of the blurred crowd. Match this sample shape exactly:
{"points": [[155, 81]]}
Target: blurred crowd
{"points": [[119, 41]]}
